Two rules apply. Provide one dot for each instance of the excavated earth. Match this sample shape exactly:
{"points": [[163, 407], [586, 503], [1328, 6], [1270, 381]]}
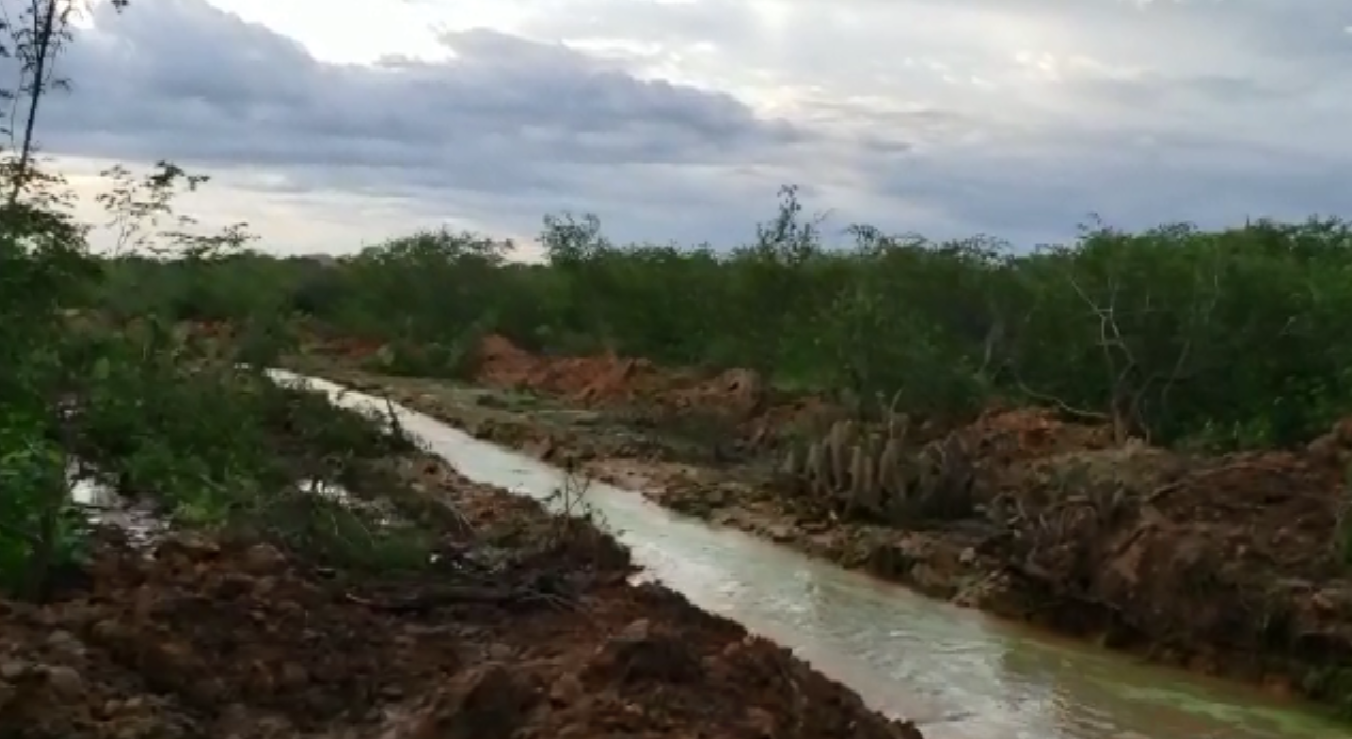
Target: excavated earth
{"points": [[1228, 565], [526, 626]]}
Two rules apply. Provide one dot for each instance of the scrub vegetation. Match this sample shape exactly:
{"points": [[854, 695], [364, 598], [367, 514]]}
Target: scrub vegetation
{"points": [[1150, 427], [189, 426], [189, 548], [1206, 341], [1210, 339]]}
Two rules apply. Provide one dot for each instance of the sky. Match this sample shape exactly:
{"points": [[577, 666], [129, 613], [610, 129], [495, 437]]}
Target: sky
{"points": [[329, 124]]}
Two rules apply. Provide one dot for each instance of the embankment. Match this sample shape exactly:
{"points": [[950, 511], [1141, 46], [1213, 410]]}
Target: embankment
{"points": [[525, 626], [1229, 565]]}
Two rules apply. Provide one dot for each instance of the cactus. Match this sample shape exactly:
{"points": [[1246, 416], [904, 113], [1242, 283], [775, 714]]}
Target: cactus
{"points": [[817, 481], [891, 475], [854, 493], [837, 444], [948, 479], [790, 468], [898, 424], [856, 471]]}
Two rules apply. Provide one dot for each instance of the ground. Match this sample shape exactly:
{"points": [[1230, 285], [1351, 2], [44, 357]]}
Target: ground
{"points": [[1226, 564], [526, 627]]}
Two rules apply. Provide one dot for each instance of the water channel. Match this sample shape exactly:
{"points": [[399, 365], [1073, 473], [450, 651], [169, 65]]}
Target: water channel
{"points": [[956, 673]]}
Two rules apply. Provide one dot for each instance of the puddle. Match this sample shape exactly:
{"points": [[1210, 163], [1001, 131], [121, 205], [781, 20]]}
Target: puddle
{"points": [[104, 505]]}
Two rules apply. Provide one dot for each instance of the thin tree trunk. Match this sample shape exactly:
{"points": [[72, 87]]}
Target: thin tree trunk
{"points": [[44, 41]]}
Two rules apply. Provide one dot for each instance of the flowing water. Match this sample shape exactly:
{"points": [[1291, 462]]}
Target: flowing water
{"points": [[957, 674]]}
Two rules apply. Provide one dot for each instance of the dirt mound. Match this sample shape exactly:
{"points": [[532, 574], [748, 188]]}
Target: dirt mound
{"points": [[318, 339], [1279, 508], [609, 379], [1236, 552], [354, 349], [737, 392], [646, 678], [596, 379], [527, 628], [757, 414], [200, 635], [1004, 436], [1335, 447]]}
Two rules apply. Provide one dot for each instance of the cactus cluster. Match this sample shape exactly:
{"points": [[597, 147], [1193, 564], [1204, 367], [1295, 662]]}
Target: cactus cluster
{"points": [[873, 473]]}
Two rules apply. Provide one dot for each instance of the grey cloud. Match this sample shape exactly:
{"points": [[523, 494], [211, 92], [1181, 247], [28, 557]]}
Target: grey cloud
{"points": [[248, 94], [1026, 191], [1155, 89], [512, 117], [669, 22], [1313, 31], [1226, 108], [1246, 38], [1206, 110]]}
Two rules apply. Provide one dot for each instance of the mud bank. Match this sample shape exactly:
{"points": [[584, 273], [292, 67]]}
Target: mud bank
{"points": [[1225, 566], [525, 626]]}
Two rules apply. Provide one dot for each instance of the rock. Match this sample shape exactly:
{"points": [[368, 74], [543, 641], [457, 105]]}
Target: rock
{"points": [[65, 681], [263, 559], [636, 632], [13, 670]]}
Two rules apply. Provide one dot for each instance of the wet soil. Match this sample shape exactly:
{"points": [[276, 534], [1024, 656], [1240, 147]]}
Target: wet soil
{"points": [[525, 626], [1228, 565]]}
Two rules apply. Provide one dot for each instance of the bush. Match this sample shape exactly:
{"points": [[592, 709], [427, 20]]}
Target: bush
{"points": [[1220, 339]]}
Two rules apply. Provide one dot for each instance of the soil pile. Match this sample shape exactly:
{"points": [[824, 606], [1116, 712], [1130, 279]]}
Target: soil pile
{"points": [[609, 379], [602, 379], [754, 415], [1228, 551], [1004, 436], [320, 340], [525, 627]]}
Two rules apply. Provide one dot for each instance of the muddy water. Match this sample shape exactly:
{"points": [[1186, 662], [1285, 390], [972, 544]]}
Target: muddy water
{"points": [[956, 673], [102, 504]]}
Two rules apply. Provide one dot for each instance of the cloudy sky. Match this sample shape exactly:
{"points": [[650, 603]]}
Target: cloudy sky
{"points": [[329, 123]]}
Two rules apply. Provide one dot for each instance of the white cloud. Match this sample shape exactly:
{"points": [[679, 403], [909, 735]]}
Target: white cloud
{"points": [[679, 118]]}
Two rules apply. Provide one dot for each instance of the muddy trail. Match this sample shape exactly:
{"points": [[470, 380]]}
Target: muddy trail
{"points": [[1225, 565], [525, 626]]}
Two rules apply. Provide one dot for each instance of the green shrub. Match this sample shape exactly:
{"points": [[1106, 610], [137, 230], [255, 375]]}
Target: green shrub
{"points": [[1219, 339]]}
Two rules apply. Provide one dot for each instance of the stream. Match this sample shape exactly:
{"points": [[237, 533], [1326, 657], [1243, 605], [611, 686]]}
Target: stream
{"points": [[956, 673]]}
